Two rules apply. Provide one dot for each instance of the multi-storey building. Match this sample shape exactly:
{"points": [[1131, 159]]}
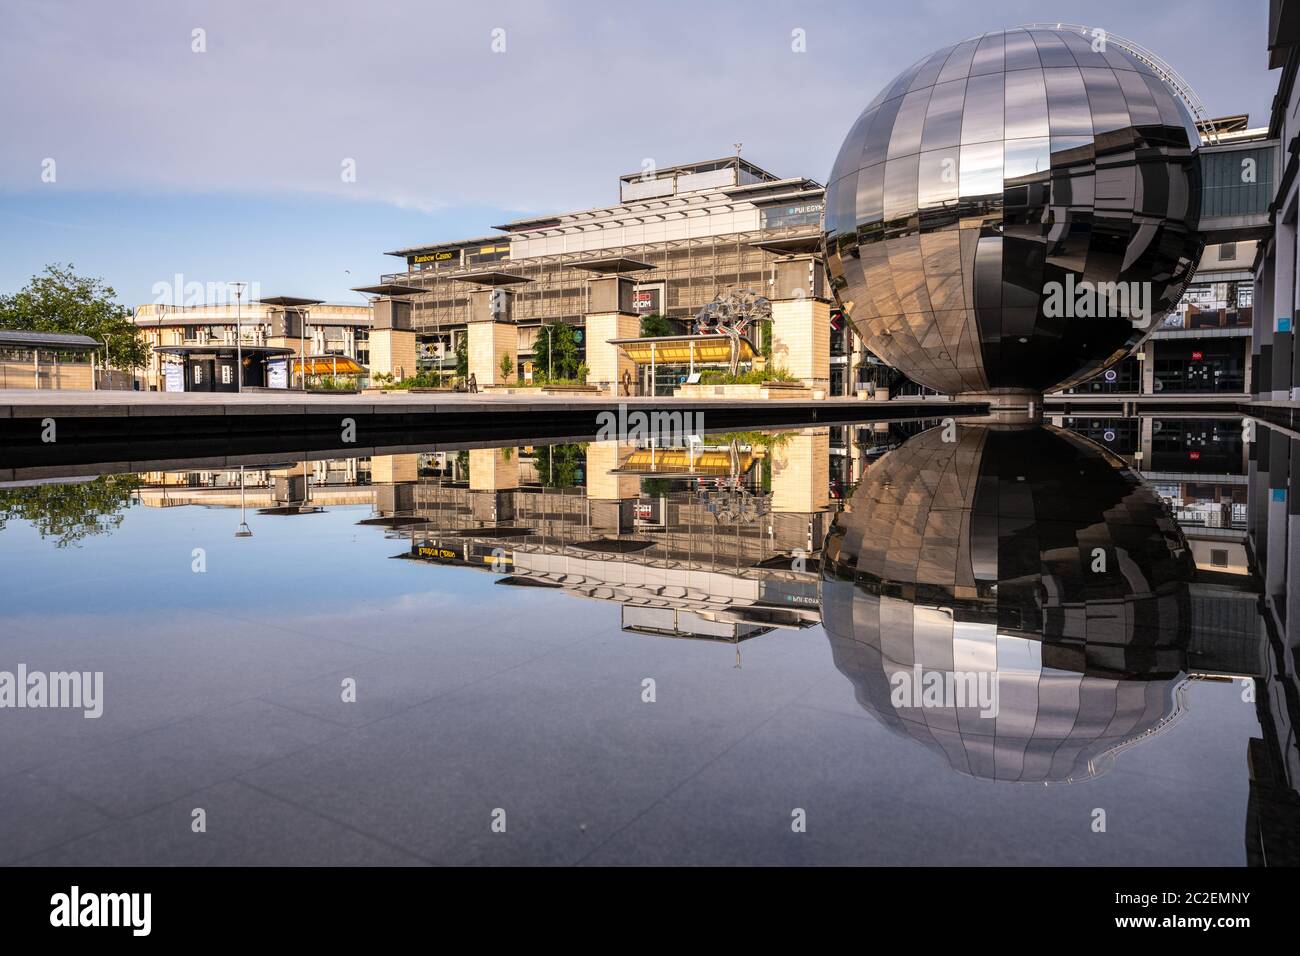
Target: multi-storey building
{"points": [[203, 340], [691, 232]]}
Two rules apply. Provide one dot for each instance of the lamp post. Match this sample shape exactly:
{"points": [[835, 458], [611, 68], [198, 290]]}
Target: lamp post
{"points": [[239, 344], [243, 531]]}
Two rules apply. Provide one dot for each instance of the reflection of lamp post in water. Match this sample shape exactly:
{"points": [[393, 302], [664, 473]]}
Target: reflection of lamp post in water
{"points": [[243, 531]]}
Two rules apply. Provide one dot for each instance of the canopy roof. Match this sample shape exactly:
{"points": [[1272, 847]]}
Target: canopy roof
{"points": [[330, 365], [684, 349]]}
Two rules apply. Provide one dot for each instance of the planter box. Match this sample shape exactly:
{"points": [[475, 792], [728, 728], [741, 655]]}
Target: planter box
{"points": [[767, 390]]}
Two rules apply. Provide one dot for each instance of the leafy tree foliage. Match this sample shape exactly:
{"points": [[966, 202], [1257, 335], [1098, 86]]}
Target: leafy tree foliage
{"points": [[59, 300]]}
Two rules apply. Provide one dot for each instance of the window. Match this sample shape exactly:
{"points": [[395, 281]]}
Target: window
{"points": [[1219, 557], [1227, 252]]}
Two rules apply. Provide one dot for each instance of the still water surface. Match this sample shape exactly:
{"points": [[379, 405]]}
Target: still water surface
{"points": [[741, 652]]}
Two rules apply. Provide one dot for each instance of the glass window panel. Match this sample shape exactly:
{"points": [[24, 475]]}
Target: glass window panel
{"points": [[1081, 47], [1026, 99], [1020, 51], [840, 205], [850, 155], [988, 55], [1067, 103], [1114, 53], [939, 177], [1109, 111], [943, 116], [1171, 112], [929, 73], [870, 198], [1141, 104], [906, 138], [958, 64], [1051, 50], [900, 198], [980, 172], [1024, 158], [982, 117], [877, 143], [904, 79]]}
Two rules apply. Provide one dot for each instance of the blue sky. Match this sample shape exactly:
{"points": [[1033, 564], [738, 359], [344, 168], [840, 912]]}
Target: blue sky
{"points": [[226, 164]]}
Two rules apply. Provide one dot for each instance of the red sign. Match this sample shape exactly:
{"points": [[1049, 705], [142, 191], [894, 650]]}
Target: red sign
{"points": [[1197, 356], [1194, 455]]}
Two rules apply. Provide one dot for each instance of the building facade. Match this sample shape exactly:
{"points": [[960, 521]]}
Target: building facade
{"points": [[701, 228], [208, 337]]}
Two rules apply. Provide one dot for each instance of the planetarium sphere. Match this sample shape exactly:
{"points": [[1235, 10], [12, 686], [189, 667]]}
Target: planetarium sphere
{"points": [[1015, 213], [1028, 580]]}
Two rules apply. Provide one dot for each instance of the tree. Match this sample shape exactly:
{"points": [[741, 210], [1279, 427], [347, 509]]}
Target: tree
{"points": [[462, 355], [59, 300], [507, 367], [561, 466], [561, 339], [70, 512], [656, 325]]}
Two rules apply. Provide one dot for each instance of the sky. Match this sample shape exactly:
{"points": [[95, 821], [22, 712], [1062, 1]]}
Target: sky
{"points": [[143, 141]]}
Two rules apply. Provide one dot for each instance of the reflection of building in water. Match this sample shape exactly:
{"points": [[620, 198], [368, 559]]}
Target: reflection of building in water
{"points": [[287, 487], [1032, 555], [1274, 543], [1198, 465], [714, 540]]}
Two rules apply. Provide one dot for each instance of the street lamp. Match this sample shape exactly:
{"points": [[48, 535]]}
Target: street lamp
{"points": [[239, 343]]}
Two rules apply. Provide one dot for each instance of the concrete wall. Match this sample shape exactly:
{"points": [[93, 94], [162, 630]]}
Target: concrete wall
{"points": [[393, 353], [69, 375], [606, 362], [801, 339], [488, 341]]}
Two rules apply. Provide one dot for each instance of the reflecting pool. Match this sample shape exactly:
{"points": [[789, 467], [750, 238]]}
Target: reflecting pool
{"points": [[893, 643]]}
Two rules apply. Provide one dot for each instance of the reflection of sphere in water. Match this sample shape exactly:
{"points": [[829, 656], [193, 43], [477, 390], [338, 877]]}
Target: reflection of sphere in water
{"points": [[993, 172], [1026, 553]]}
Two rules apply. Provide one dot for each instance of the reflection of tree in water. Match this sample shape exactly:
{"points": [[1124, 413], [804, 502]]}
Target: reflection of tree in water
{"points": [[69, 512], [562, 466]]}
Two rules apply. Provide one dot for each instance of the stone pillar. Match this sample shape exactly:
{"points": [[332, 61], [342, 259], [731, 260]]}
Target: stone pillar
{"points": [[392, 339], [492, 334], [1283, 301], [392, 469], [610, 316], [1147, 365], [801, 321], [603, 458], [801, 472], [1262, 317], [493, 469]]}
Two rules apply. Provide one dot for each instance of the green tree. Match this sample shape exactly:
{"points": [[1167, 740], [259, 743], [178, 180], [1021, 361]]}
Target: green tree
{"points": [[67, 513], [507, 367], [656, 325], [560, 338], [462, 355], [59, 300], [561, 466]]}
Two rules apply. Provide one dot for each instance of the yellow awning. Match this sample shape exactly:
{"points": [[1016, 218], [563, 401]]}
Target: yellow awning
{"points": [[329, 365], [678, 350], [679, 461]]}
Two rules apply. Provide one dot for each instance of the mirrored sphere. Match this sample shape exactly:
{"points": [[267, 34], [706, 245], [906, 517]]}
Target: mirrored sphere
{"points": [[984, 202], [1027, 567]]}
